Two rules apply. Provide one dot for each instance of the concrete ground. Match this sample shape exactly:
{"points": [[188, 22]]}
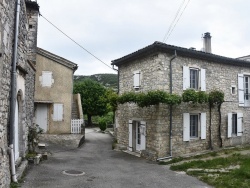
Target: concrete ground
{"points": [[103, 168]]}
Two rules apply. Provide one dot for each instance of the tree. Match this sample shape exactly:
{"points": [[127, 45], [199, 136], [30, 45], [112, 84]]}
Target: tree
{"points": [[112, 98], [93, 96]]}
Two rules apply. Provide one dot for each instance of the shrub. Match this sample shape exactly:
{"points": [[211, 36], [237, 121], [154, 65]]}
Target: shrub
{"points": [[102, 123]]}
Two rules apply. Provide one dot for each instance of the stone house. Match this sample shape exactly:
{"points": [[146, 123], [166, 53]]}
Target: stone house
{"points": [[160, 131], [18, 40], [54, 93]]}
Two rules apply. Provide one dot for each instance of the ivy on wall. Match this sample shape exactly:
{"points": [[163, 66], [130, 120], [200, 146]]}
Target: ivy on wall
{"points": [[150, 98], [213, 98], [156, 97]]}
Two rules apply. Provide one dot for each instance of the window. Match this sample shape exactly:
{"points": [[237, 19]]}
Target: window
{"points": [[58, 112], [194, 78], [194, 126], [46, 79], [244, 89], [233, 89], [235, 124], [137, 79], [194, 120]]}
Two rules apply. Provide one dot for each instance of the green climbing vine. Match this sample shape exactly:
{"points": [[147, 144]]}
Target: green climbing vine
{"points": [[214, 98], [150, 98], [190, 95]]}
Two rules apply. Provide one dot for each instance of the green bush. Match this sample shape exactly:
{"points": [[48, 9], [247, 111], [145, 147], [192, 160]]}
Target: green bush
{"points": [[102, 123]]}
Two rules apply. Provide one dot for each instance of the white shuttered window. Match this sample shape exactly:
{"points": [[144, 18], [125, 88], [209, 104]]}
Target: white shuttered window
{"points": [[235, 124], [194, 126], [46, 79], [58, 112], [137, 81], [194, 78]]}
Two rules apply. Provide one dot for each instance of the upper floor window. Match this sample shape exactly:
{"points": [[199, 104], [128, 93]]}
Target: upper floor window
{"points": [[46, 79], [194, 78], [244, 89], [137, 79]]}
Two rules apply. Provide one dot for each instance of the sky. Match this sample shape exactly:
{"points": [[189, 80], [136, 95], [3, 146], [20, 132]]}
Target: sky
{"points": [[111, 29]]}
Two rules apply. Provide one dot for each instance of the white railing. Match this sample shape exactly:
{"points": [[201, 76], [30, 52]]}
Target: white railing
{"points": [[76, 126]]}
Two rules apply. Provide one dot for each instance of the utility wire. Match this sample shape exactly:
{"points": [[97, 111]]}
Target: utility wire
{"points": [[177, 21], [75, 42], [171, 25]]}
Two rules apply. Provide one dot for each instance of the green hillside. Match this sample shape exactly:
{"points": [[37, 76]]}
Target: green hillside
{"points": [[107, 80]]}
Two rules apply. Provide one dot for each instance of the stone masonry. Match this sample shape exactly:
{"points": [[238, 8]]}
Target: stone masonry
{"points": [[154, 75], [25, 69]]}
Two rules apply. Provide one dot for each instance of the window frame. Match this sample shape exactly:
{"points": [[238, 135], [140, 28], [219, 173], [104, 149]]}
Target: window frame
{"points": [[196, 80], [201, 126], [137, 79], [239, 125], [200, 76]]}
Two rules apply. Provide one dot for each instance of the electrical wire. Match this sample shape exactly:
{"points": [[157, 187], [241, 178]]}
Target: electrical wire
{"points": [[176, 22], [171, 25], [75, 42]]}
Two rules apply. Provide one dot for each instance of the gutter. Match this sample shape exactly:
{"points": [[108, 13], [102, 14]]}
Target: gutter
{"points": [[170, 110], [13, 94]]}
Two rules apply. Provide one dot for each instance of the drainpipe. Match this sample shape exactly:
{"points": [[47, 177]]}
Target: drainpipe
{"points": [[170, 110], [13, 95]]}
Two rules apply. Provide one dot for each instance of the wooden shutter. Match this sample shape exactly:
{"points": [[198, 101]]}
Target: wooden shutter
{"points": [[239, 124], [58, 112], [186, 78], [203, 125], [186, 127], [46, 79], [241, 89], [137, 79], [130, 139], [229, 125], [143, 135], [203, 80]]}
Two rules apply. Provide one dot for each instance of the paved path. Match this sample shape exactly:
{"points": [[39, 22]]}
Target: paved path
{"points": [[104, 168]]}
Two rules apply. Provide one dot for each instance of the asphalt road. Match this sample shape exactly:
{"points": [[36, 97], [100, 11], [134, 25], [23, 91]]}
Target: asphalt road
{"points": [[103, 168]]}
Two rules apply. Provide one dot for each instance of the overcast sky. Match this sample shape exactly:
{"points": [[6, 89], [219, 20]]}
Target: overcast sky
{"points": [[111, 29]]}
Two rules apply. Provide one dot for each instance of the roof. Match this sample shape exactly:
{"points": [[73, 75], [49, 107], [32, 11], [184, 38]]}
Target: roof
{"points": [[157, 47], [57, 59]]}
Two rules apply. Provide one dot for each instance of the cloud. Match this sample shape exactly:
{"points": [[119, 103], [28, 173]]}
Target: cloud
{"points": [[111, 29]]}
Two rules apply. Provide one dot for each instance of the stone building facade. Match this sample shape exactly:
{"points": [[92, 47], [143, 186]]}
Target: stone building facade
{"points": [[147, 130], [54, 92], [25, 79]]}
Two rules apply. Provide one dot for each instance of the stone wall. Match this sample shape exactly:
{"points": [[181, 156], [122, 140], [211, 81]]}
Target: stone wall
{"points": [[154, 76], [24, 69]]}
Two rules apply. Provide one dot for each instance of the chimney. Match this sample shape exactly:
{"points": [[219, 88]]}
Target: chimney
{"points": [[207, 43]]}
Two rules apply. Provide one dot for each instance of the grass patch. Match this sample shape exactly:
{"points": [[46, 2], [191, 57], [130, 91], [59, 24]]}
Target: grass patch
{"points": [[234, 178]]}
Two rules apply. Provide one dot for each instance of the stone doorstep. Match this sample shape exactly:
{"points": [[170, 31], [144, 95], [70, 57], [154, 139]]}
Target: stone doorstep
{"points": [[21, 169], [132, 153], [41, 145]]}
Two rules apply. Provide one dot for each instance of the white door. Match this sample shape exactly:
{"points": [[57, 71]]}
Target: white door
{"points": [[42, 116], [138, 136], [16, 146]]}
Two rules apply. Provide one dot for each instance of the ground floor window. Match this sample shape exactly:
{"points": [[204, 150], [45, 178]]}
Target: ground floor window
{"points": [[235, 124], [194, 122], [194, 126]]}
